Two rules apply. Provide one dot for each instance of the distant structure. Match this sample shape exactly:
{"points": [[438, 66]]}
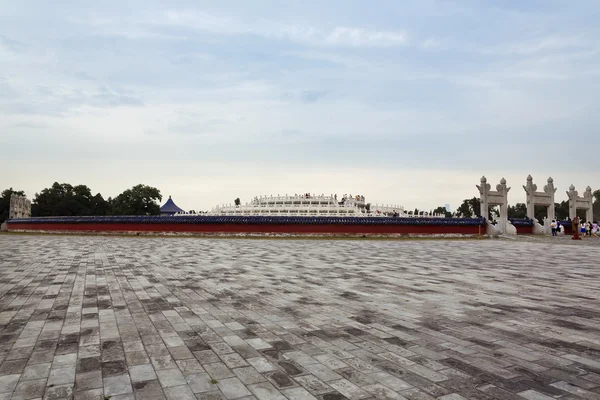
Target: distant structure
{"points": [[314, 205], [577, 202], [545, 198], [498, 197], [447, 207], [170, 208], [20, 207]]}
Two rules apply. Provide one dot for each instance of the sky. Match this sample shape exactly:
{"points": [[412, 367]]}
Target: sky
{"points": [[404, 102]]}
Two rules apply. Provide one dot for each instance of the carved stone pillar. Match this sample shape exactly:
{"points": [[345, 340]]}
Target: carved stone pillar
{"points": [[589, 199], [550, 190], [530, 189], [572, 194], [483, 196]]}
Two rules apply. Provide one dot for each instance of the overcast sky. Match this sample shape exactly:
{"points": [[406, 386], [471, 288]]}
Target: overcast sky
{"points": [[404, 102]]}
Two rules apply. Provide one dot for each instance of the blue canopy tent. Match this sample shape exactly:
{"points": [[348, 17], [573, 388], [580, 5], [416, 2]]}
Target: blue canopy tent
{"points": [[170, 208]]}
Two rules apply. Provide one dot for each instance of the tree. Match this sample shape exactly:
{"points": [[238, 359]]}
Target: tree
{"points": [[473, 207], [109, 206], [540, 212], [368, 207], [464, 210], [442, 210], [237, 202], [5, 202], [99, 206], [139, 200], [519, 210], [469, 207], [62, 199], [562, 210]]}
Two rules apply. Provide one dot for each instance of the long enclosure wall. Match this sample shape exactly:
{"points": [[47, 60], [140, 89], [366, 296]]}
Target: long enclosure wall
{"points": [[233, 224]]}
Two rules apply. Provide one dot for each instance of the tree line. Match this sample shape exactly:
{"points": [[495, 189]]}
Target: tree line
{"points": [[64, 199]]}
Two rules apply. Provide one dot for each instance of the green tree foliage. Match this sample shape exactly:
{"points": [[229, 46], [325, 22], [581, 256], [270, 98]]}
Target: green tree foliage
{"points": [[562, 210], [368, 207], [442, 210], [237, 202], [139, 200], [469, 207], [519, 210], [464, 210], [99, 206], [540, 212], [596, 205], [5, 202], [473, 207], [62, 199]]}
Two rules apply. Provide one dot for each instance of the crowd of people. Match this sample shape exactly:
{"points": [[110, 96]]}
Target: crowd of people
{"points": [[590, 229]]}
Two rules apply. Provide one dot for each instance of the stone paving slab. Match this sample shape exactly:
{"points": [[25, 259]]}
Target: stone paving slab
{"points": [[87, 317]]}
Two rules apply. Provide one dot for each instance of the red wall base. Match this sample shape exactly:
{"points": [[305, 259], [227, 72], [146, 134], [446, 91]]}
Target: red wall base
{"points": [[248, 228], [525, 230]]}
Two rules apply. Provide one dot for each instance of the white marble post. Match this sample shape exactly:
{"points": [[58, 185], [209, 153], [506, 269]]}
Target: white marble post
{"points": [[483, 196], [550, 190], [589, 199], [530, 189], [572, 194], [503, 191]]}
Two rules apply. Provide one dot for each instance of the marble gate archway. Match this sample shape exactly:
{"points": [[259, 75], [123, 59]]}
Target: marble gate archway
{"points": [[577, 202], [498, 197], [545, 198]]}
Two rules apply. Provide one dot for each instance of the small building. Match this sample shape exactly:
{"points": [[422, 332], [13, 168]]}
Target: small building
{"points": [[170, 208]]}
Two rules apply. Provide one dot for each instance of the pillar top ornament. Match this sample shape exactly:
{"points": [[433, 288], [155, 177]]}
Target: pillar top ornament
{"points": [[550, 180], [503, 181], [483, 179], [529, 178], [571, 188]]}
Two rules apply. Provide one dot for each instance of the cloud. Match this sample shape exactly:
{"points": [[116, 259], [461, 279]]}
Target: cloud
{"points": [[338, 36], [342, 36], [11, 45], [22, 98], [29, 125], [540, 45], [305, 96], [431, 43], [107, 97], [311, 96], [144, 35], [550, 43]]}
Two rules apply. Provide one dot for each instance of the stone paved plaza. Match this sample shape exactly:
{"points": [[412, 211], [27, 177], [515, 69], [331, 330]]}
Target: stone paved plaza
{"points": [[94, 317]]}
